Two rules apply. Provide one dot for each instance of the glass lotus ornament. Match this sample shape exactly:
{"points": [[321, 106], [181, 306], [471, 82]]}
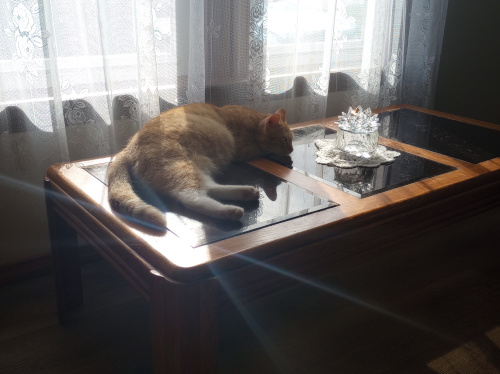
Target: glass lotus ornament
{"points": [[358, 132]]}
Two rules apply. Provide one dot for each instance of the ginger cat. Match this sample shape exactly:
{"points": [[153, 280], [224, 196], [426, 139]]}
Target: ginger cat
{"points": [[178, 152]]}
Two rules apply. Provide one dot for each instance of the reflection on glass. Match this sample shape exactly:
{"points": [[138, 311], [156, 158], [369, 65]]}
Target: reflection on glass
{"points": [[406, 169], [360, 179], [441, 135], [279, 201]]}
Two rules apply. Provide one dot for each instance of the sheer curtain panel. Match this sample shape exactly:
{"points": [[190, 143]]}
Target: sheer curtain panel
{"points": [[78, 78]]}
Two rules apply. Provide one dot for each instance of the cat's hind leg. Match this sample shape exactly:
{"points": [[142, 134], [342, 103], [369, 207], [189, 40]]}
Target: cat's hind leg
{"points": [[189, 185], [230, 192], [200, 202]]}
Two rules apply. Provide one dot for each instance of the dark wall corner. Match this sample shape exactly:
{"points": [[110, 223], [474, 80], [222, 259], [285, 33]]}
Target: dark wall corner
{"points": [[469, 73]]}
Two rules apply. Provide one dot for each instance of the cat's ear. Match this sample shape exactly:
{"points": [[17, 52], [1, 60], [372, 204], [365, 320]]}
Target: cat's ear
{"points": [[281, 112], [273, 121]]}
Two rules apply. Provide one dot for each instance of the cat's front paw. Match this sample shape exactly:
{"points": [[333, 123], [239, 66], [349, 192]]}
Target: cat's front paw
{"points": [[233, 213], [250, 193]]}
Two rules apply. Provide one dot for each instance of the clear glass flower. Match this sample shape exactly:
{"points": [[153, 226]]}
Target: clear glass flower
{"points": [[357, 120], [358, 132]]}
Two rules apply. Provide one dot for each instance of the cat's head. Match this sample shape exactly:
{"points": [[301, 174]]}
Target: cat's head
{"points": [[277, 137]]}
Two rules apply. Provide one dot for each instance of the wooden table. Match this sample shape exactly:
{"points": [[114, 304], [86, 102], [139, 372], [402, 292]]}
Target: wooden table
{"points": [[188, 276]]}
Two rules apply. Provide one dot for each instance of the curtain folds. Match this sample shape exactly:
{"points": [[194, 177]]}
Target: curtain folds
{"points": [[78, 78]]}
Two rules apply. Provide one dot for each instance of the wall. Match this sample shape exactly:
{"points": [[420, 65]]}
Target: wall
{"points": [[469, 77]]}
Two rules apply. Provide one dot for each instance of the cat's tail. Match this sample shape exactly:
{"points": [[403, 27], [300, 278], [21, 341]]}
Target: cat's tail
{"points": [[125, 200]]}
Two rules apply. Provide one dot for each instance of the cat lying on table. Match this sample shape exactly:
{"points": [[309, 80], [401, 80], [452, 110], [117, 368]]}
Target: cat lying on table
{"points": [[178, 152]]}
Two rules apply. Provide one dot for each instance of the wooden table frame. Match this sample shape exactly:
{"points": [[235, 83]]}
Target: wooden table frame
{"points": [[182, 284]]}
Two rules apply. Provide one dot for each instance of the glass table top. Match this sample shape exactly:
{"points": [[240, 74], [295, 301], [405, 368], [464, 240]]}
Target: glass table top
{"points": [[448, 137], [279, 201], [361, 181]]}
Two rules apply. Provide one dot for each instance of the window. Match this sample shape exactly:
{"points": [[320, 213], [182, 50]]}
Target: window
{"points": [[304, 37]]}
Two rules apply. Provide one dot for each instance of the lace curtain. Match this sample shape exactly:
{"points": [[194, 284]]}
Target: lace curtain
{"points": [[78, 78]]}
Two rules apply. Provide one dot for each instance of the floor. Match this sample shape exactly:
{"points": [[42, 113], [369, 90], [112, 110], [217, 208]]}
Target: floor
{"points": [[431, 305]]}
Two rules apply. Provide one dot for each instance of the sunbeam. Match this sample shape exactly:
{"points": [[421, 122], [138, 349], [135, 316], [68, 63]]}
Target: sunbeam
{"points": [[226, 286], [29, 187], [48, 193], [271, 349], [324, 288]]}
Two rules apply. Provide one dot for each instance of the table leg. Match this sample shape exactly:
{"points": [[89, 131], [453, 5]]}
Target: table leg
{"points": [[184, 326], [64, 245]]}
